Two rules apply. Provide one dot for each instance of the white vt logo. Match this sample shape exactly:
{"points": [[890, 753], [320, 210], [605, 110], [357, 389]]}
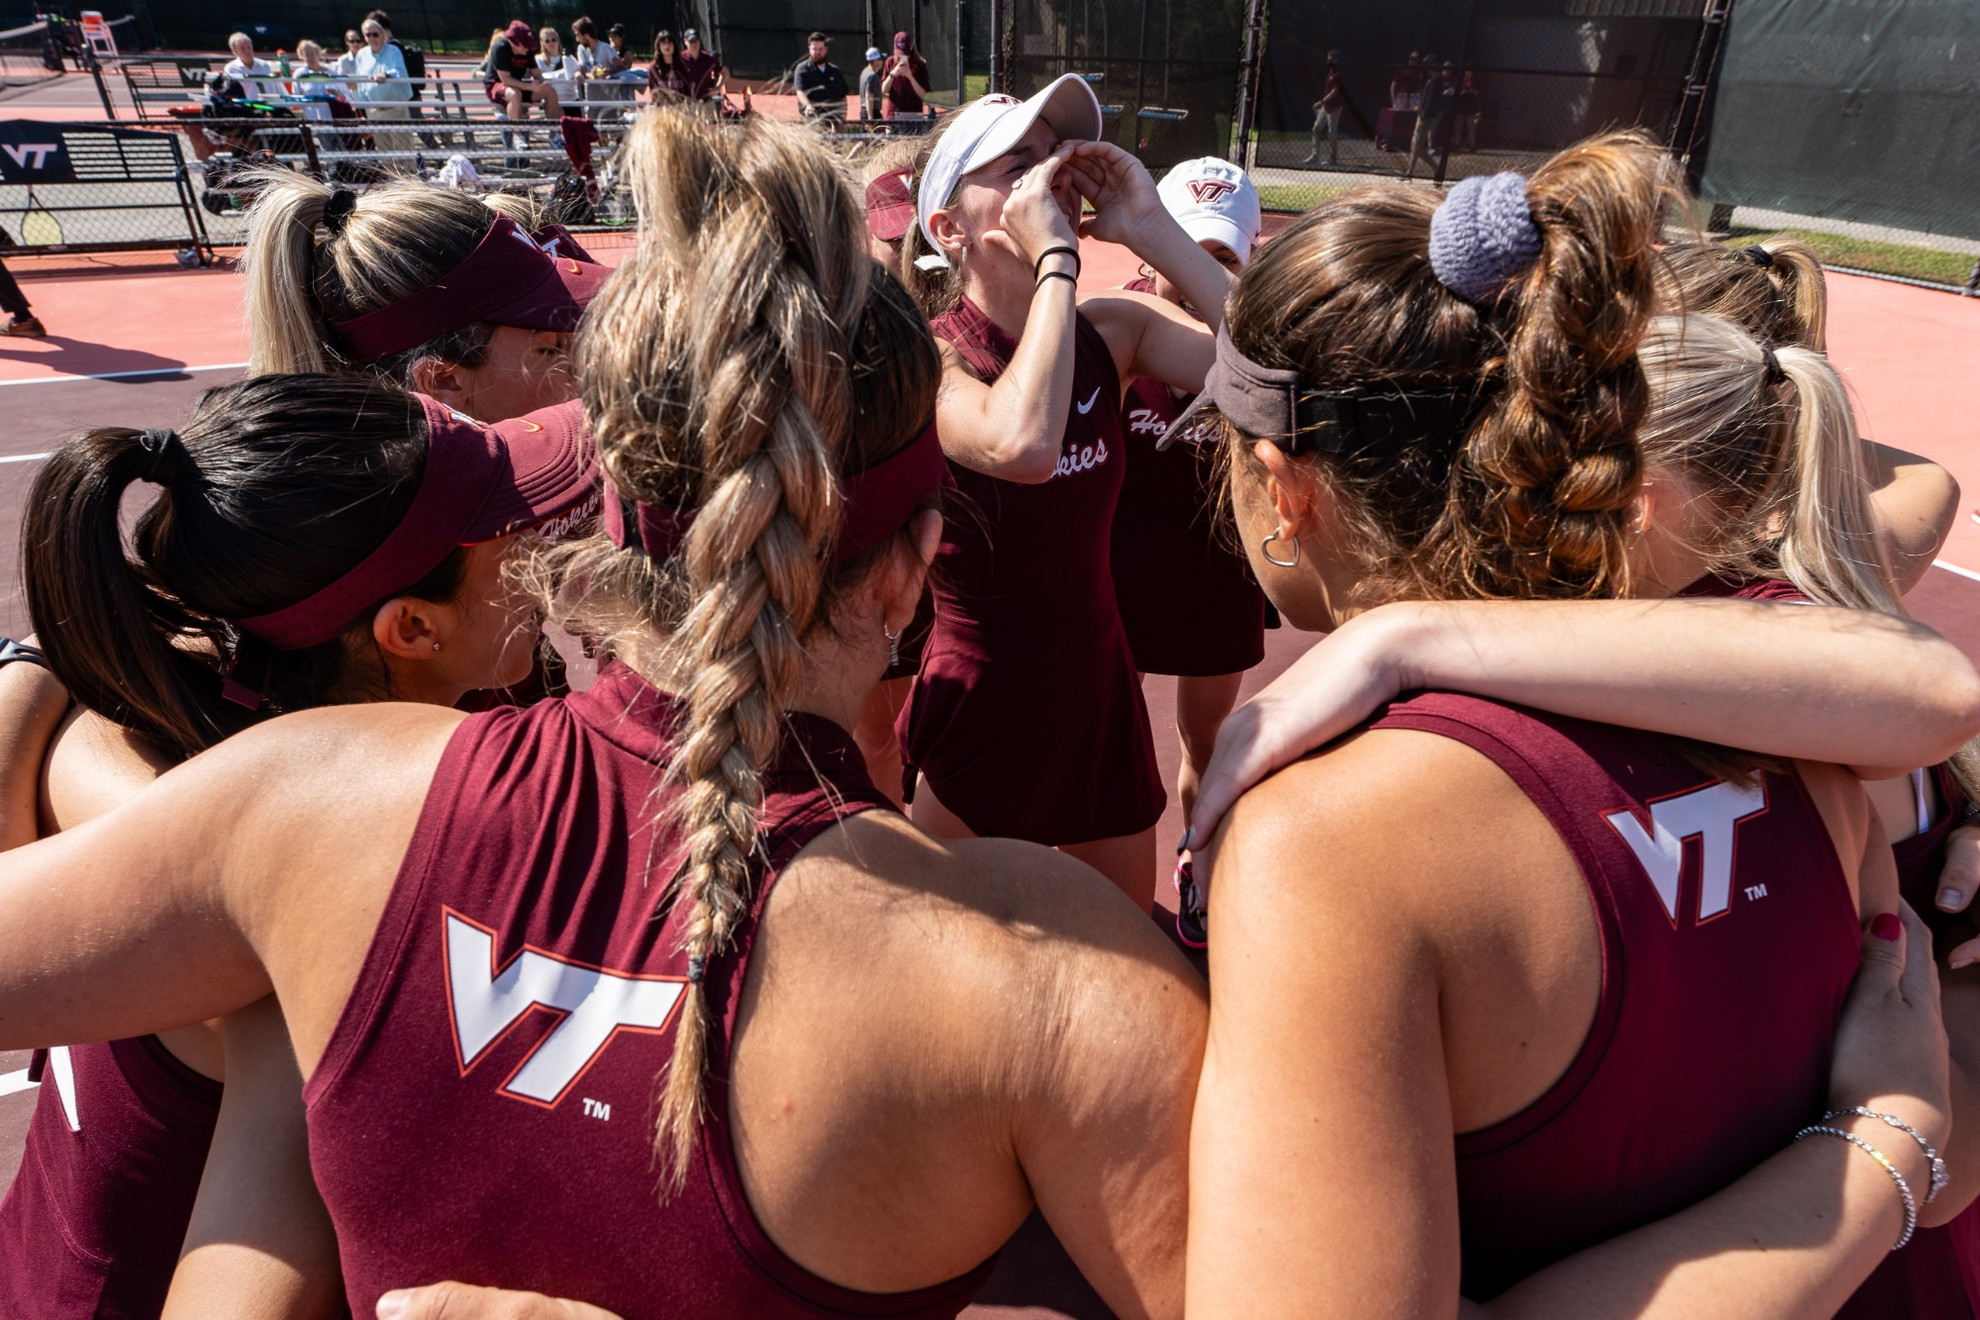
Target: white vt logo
{"points": [[41, 151], [1711, 813], [596, 1005]]}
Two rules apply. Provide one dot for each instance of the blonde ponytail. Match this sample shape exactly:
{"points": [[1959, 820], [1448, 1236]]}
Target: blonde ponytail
{"points": [[1828, 544], [397, 239], [285, 331], [746, 355]]}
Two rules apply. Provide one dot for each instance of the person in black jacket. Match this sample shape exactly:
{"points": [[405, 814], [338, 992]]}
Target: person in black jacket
{"points": [[821, 87]]}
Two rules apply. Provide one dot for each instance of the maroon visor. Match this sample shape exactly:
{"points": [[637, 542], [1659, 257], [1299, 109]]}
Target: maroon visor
{"points": [[510, 278], [889, 206], [481, 482], [878, 502]]}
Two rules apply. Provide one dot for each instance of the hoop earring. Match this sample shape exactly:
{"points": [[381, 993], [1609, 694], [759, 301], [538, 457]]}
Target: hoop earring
{"points": [[893, 645], [1265, 548]]}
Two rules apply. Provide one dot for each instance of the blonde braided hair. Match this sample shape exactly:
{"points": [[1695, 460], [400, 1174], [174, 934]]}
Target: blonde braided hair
{"points": [[747, 354]]}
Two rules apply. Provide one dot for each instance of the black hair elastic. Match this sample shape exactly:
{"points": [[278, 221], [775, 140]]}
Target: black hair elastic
{"points": [[337, 211], [164, 453], [1761, 256], [1054, 251], [1773, 364]]}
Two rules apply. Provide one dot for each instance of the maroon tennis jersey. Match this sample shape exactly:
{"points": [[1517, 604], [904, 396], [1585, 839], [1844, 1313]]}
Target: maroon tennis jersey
{"points": [[1027, 716], [1187, 597], [92, 1227], [485, 1109], [1729, 940]]}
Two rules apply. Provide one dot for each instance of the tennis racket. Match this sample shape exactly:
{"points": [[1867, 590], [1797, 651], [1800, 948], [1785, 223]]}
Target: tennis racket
{"points": [[39, 227]]}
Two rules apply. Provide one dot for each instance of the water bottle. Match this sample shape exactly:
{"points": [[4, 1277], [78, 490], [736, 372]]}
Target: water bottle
{"points": [[282, 62]]}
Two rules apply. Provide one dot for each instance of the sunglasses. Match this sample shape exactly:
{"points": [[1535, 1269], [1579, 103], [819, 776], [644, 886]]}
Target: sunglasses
{"points": [[353, 39]]}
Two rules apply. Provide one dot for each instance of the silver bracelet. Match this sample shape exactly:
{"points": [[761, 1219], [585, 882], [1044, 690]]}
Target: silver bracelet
{"points": [[1903, 1187], [1939, 1175]]}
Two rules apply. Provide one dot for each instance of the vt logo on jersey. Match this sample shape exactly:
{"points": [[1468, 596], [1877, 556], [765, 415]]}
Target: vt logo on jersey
{"points": [[484, 1002], [1208, 192], [1712, 816]]}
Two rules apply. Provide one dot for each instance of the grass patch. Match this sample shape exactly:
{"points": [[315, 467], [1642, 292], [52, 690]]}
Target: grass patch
{"points": [[1862, 254], [1297, 198]]}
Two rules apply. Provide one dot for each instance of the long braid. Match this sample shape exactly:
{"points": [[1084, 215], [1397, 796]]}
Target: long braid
{"points": [[754, 353]]}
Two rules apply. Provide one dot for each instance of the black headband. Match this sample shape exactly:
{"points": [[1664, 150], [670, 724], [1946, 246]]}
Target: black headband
{"points": [[1270, 404]]}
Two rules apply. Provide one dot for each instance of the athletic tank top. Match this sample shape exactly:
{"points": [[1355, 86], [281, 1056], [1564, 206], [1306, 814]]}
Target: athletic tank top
{"points": [[1936, 1277], [92, 1226], [1729, 940], [485, 1110], [1037, 558], [1186, 594], [1027, 717]]}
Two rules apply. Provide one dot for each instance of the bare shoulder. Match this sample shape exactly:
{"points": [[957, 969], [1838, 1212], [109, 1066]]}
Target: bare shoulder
{"points": [[93, 766], [1391, 824], [998, 948]]}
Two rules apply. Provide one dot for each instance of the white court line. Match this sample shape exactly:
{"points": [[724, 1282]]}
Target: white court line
{"points": [[1955, 568], [126, 375], [24, 458], [15, 1081]]}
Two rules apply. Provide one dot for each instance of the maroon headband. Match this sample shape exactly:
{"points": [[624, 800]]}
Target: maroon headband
{"points": [[878, 501], [479, 483], [509, 279]]}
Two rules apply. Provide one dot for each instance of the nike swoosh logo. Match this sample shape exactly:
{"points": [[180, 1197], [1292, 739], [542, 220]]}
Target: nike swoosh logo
{"points": [[1087, 407]]}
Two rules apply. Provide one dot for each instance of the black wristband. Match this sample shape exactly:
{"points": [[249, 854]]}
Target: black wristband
{"points": [[1054, 251], [11, 650], [1059, 275]]}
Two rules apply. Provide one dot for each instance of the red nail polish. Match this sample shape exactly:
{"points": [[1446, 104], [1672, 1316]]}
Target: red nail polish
{"points": [[1886, 926]]}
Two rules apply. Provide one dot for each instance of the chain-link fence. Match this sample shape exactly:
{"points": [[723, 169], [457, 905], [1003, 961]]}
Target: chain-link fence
{"points": [[1444, 89], [1852, 112], [184, 184], [1165, 70], [26, 55], [83, 187]]}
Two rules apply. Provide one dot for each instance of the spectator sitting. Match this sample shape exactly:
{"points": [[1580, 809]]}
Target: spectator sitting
{"points": [[703, 68], [591, 53], [411, 56], [381, 70], [313, 69], [821, 86], [257, 77], [510, 75], [346, 66], [666, 78], [622, 61], [904, 85], [869, 83], [551, 62]]}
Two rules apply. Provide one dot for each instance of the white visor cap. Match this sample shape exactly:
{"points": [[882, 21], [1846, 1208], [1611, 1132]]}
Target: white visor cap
{"points": [[1214, 199], [989, 126]]}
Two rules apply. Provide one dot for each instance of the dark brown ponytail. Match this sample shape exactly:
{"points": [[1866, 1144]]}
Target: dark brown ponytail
{"points": [[276, 487], [1531, 498]]}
